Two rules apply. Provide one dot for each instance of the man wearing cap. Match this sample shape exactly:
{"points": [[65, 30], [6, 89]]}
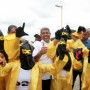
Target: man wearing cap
{"points": [[37, 37]]}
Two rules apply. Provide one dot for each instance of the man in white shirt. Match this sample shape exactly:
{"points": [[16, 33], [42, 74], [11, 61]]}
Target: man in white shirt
{"points": [[39, 54]]}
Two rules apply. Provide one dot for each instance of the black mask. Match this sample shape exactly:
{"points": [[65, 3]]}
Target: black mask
{"points": [[58, 34], [65, 34], [26, 58]]}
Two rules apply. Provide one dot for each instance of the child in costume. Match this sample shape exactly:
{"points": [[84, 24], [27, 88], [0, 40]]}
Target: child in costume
{"points": [[4, 56]]}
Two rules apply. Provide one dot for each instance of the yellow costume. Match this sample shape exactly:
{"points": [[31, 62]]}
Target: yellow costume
{"points": [[59, 83], [13, 68], [71, 44], [11, 46], [86, 73]]}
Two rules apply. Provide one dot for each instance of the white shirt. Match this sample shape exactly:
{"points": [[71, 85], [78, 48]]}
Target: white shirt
{"points": [[44, 59], [23, 82]]}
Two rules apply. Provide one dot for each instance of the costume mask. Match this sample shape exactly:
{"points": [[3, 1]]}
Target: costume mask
{"points": [[26, 58]]}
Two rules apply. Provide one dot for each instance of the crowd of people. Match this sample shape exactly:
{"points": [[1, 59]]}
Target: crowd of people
{"points": [[45, 64]]}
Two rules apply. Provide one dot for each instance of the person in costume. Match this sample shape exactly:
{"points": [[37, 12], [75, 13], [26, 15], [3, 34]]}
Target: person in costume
{"points": [[77, 36], [25, 74], [86, 63], [4, 56], [64, 81]]}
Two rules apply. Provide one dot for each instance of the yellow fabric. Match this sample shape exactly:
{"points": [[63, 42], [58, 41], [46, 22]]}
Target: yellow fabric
{"points": [[86, 75], [57, 83], [11, 46], [60, 84], [12, 69], [71, 44], [51, 50], [54, 68], [78, 35], [68, 74], [75, 34], [51, 53], [77, 65], [2, 83]]}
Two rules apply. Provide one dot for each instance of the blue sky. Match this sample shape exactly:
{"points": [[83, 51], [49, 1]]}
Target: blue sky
{"points": [[43, 13]]}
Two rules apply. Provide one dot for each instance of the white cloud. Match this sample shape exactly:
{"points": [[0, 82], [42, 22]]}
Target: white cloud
{"points": [[39, 13]]}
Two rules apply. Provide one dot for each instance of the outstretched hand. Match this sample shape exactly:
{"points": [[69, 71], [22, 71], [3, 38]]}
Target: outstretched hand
{"points": [[20, 31]]}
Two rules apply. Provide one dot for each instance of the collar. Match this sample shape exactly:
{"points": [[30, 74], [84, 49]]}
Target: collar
{"points": [[45, 42]]}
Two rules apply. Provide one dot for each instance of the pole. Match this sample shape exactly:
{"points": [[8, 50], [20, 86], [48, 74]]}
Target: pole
{"points": [[61, 13], [61, 16]]}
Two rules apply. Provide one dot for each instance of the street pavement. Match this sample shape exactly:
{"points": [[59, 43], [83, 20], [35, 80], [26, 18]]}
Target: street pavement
{"points": [[76, 85]]}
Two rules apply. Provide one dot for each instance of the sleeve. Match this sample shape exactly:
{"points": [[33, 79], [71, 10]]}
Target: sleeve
{"points": [[54, 68], [37, 47], [51, 51]]}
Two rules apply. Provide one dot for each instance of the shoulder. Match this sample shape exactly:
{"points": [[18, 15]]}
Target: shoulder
{"points": [[88, 40], [37, 43], [10, 36]]}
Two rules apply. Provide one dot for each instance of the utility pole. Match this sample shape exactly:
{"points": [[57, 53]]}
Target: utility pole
{"points": [[61, 12]]}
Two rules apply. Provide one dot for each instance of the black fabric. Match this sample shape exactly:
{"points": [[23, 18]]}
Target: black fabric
{"points": [[78, 54], [65, 34], [20, 31], [61, 49], [67, 67], [26, 58], [1, 44], [1, 34], [61, 52], [58, 34], [46, 84], [75, 74], [68, 29]]}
